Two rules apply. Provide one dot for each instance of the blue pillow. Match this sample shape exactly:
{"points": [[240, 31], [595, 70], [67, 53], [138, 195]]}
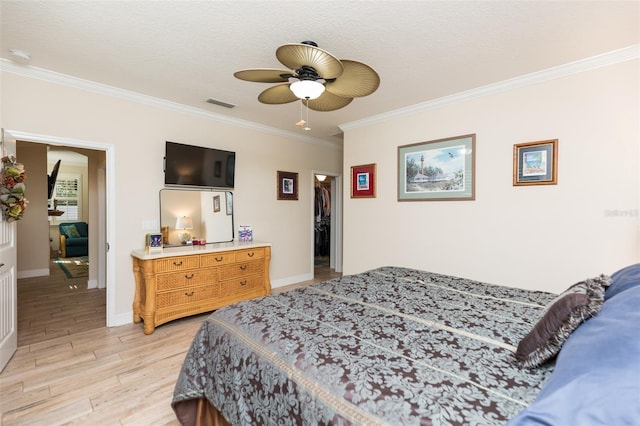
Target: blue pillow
{"points": [[622, 280], [596, 380]]}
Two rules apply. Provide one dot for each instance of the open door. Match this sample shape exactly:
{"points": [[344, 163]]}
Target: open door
{"points": [[8, 275]]}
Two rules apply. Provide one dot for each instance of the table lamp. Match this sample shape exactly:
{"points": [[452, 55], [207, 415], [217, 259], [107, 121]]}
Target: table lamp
{"points": [[184, 223]]}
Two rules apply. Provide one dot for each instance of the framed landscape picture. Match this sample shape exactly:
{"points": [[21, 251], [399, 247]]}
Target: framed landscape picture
{"points": [[535, 163], [439, 170]]}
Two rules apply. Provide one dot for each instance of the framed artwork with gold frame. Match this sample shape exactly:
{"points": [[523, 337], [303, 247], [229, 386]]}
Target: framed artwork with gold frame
{"points": [[535, 163]]}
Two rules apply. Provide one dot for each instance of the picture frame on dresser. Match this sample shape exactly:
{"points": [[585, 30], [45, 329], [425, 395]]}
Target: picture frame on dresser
{"points": [[153, 243]]}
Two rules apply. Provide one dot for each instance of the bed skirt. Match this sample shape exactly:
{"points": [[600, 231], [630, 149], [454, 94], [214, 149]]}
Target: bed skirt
{"points": [[199, 412]]}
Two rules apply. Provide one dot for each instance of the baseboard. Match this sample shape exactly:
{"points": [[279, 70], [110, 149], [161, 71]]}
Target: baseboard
{"points": [[121, 319], [33, 273], [291, 280]]}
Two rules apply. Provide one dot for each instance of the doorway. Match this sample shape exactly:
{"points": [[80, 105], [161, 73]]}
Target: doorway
{"points": [[101, 212], [327, 224]]}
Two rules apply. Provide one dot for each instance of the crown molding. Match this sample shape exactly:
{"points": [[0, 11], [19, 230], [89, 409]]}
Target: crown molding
{"points": [[102, 89], [587, 64]]}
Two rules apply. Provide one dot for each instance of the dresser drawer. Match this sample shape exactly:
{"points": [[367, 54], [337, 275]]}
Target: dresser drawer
{"points": [[186, 279], [169, 264], [241, 269], [186, 295], [249, 254], [241, 285], [213, 259]]}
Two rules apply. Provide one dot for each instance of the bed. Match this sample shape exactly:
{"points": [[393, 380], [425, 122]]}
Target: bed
{"points": [[398, 346]]}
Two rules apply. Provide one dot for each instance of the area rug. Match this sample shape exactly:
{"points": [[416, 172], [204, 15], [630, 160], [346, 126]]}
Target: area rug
{"points": [[74, 267]]}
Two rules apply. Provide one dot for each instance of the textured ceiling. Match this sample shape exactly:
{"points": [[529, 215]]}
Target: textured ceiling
{"points": [[187, 51]]}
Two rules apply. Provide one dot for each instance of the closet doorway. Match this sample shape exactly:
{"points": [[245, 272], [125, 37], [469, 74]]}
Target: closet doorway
{"points": [[327, 226]]}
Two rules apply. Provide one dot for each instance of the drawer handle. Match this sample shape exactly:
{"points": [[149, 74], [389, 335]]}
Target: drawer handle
{"points": [[219, 259], [177, 263], [188, 276], [190, 293], [243, 267], [250, 254], [243, 283]]}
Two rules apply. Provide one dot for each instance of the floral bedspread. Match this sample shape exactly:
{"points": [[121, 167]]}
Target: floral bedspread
{"points": [[391, 346]]}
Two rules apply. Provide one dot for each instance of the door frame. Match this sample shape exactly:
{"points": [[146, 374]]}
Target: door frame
{"points": [[106, 239]]}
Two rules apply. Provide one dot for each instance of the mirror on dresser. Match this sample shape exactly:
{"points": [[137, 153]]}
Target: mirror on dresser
{"points": [[204, 214]]}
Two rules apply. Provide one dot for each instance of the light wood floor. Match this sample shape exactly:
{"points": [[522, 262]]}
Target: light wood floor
{"points": [[55, 306], [79, 372]]}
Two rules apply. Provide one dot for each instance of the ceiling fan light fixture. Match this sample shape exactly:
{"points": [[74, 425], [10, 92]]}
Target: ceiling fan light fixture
{"points": [[307, 89]]}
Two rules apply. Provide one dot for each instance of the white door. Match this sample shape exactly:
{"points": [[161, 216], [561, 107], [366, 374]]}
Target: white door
{"points": [[8, 278]]}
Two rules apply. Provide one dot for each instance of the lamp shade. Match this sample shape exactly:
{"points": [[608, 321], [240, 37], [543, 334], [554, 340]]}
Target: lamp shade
{"points": [[184, 222], [307, 89]]}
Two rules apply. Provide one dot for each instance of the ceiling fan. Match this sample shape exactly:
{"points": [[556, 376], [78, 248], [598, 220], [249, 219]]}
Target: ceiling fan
{"points": [[322, 81]]}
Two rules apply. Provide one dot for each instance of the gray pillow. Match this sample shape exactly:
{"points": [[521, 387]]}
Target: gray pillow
{"points": [[560, 318]]}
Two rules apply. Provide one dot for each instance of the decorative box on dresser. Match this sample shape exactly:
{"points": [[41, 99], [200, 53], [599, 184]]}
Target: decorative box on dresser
{"points": [[183, 281]]}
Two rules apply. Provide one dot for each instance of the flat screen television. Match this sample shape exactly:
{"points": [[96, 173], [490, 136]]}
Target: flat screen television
{"points": [[196, 166]]}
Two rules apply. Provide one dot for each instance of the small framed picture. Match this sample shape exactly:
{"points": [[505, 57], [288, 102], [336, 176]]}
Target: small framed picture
{"points": [[216, 203], [363, 181], [153, 243], [535, 163], [287, 186]]}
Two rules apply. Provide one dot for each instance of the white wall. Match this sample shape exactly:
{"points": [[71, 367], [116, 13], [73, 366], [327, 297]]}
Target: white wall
{"points": [[539, 237], [138, 132]]}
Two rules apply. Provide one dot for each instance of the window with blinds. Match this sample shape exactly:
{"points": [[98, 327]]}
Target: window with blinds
{"points": [[67, 197]]}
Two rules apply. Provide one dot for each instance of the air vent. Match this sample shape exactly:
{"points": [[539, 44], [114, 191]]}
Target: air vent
{"points": [[221, 103]]}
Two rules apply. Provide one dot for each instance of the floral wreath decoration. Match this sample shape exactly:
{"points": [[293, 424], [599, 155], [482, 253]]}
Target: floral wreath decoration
{"points": [[12, 200]]}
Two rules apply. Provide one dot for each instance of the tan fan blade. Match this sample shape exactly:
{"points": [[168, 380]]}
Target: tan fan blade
{"points": [[357, 80], [327, 102], [295, 55], [264, 75], [280, 94]]}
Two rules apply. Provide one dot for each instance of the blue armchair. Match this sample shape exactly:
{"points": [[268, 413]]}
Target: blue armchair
{"points": [[74, 239]]}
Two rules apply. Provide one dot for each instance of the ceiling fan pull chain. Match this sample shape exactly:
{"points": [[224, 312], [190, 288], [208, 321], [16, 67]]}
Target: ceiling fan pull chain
{"points": [[302, 122], [307, 128]]}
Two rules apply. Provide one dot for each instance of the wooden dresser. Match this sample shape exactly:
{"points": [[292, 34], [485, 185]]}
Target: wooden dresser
{"points": [[183, 281]]}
